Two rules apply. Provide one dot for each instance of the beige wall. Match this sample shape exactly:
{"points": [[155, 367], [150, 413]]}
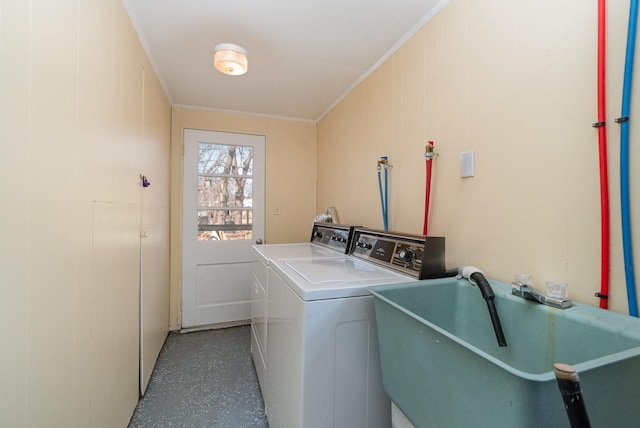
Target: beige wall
{"points": [[515, 82], [81, 116], [290, 179]]}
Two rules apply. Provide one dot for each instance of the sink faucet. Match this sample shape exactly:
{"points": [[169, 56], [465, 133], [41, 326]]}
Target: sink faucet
{"points": [[526, 291]]}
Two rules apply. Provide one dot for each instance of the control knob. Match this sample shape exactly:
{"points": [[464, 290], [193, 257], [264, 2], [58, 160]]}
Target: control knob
{"points": [[364, 245], [406, 255]]}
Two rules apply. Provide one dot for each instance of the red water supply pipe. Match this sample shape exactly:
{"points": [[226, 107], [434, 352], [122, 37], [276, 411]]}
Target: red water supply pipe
{"points": [[427, 196], [429, 154], [602, 151]]}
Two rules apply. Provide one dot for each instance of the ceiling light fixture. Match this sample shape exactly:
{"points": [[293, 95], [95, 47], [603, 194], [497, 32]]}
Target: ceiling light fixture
{"points": [[230, 59]]}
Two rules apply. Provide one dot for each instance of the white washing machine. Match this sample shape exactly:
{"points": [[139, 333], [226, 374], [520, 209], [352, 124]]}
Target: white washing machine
{"points": [[327, 240], [322, 367]]}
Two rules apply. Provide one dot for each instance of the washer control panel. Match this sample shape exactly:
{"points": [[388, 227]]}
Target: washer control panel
{"points": [[332, 235], [416, 255]]}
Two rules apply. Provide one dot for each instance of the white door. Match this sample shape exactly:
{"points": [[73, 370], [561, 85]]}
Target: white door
{"points": [[223, 215]]}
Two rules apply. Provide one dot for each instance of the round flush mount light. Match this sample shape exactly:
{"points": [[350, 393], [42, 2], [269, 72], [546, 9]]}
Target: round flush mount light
{"points": [[230, 59]]}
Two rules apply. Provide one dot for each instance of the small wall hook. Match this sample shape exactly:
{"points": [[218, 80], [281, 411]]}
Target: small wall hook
{"points": [[145, 182]]}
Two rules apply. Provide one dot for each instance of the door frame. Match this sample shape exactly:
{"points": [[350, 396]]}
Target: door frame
{"points": [[189, 221]]}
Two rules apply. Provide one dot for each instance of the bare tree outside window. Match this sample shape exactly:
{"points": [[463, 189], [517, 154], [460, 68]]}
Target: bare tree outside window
{"points": [[225, 192]]}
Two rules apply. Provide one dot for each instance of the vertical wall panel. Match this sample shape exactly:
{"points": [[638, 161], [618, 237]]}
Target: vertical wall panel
{"points": [[52, 198], [154, 222], [95, 130], [452, 138], [412, 134], [292, 144], [14, 193], [115, 303]]}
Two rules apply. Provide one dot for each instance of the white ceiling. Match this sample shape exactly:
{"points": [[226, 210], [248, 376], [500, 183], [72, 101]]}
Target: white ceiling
{"points": [[304, 55]]}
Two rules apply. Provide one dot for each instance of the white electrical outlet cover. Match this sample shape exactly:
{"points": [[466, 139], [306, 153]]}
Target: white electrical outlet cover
{"points": [[467, 164]]}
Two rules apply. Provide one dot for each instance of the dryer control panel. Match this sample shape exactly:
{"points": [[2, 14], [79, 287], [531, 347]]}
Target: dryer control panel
{"points": [[336, 236], [416, 255]]}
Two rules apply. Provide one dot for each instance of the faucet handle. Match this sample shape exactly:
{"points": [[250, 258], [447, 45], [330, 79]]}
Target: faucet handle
{"points": [[557, 289], [524, 278]]}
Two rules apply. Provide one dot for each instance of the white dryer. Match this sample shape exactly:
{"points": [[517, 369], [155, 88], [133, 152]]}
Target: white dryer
{"points": [[322, 367], [327, 240]]}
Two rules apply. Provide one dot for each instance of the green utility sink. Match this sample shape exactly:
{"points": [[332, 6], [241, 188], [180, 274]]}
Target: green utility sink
{"points": [[442, 366]]}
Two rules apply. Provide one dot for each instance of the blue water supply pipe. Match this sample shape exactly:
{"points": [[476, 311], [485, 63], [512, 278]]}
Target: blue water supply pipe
{"points": [[383, 163], [624, 160], [386, 198]]}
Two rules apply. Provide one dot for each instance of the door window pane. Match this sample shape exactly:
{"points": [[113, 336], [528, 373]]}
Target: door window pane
{"points": [[225, 192]]}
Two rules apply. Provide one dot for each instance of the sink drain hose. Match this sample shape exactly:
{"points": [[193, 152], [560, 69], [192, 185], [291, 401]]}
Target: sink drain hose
{"points": [[476, 277]]}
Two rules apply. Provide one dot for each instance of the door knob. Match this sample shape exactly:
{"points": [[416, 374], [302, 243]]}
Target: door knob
{"points": [[258, 241]]}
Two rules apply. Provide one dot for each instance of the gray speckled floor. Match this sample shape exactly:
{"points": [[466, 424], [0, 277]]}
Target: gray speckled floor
{"points": [[203, 379]]}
